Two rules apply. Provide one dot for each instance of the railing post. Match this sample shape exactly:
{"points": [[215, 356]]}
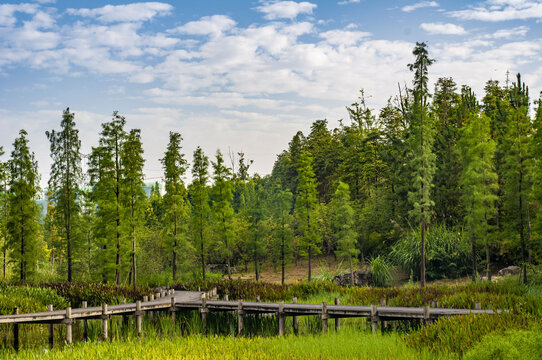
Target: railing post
{"points": [[257, 298], [324, 317], [105, 318], [226, 297], [50, 328], [240, 318], [16, 331], [383, 323], [85, 323], [68, 320], [203, 311], [374, 317], [337, 320], [478, 305], [294, 318], [173, 311], [124, 317], [426, 314], [281, 318], [139, 318], [151, 314]]}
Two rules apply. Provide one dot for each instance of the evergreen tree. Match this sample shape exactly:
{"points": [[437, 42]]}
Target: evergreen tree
{"points": [[105, 170], [133, 195], [22, 222], [64, 181], [258, 226], [305, 209], [4, 211], [445, 109], [282, 203], [222, 194], [421, 138], [516, 167], [200, 204], [343, 216], [177, 209], [478, 184]]}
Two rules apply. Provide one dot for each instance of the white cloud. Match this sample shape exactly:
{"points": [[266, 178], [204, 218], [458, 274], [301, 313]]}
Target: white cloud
{"points": [[419, 5], [7, 12], [516, 32], [501, 10], [121, 13], [344, 37], [285, 9], [346, 2], [207, 25], [442, 28]]}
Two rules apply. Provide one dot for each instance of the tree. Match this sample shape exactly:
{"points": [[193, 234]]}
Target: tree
{"points": [[105, 170], [421, 143], [343, 216], [536, 168], [282, 203], [65, 179], [478, 184], [516, 166], [23, 210], [133, 197], [4, 210], [200, 204], [176, 213], [222, 194], [305, 207]]}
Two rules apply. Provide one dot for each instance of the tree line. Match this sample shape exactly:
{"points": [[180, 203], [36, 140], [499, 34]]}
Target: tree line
{"points": [[445, 160]]}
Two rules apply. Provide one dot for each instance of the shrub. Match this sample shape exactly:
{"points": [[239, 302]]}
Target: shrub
{"points": [[511, 345], [448, 254], [380, 271], [97, 294], [458, 334], [28, 299]]}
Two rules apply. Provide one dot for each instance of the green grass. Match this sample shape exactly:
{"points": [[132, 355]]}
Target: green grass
{"points": [[348, 344]]}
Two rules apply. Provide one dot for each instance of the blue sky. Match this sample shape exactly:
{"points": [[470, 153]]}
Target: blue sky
{"points": [[240, 75]]}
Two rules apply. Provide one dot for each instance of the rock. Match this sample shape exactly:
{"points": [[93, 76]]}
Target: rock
{"points": [[361, 278], [511, 270], [220, 268]]}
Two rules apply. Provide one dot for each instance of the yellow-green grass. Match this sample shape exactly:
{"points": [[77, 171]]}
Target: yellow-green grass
{"points": [[348, 344]]}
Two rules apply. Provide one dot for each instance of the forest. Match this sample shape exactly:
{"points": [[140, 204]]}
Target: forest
{"points": [[441, 182]]}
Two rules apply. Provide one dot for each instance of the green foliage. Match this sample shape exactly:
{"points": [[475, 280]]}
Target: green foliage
{"points": [[22, 223], [380, 271], [305, 206], [66, 175], [458, 334], [200, 205], [516, 344], [28, 299], [97, 294], [448, 253], [177, 209]]}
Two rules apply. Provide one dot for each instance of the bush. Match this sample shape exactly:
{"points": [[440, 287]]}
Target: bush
{"points": [[380, 271], [28, 299], [512, 345], [458, 334], [97, 294], [448, 255]]}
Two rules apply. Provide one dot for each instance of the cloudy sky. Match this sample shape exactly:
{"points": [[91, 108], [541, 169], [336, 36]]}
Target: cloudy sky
{"points": [[239, 75]]}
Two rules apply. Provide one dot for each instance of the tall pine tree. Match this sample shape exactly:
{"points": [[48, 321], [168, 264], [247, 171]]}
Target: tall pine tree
{"points": [[200, 205], [176, 206], [22, 222], [421, 139], [64, 181]]}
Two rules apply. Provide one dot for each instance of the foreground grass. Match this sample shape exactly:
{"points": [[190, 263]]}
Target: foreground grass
{"points": [[348, 344]]}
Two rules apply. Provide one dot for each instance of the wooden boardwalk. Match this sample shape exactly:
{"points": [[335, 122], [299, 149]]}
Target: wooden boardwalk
{"points": [[173, 302]]}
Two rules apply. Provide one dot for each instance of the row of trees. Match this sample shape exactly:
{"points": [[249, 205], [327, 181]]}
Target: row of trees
{"points": [[354, 192]]}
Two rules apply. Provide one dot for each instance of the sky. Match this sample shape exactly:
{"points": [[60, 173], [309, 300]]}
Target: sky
{"points": [[240, 75]]}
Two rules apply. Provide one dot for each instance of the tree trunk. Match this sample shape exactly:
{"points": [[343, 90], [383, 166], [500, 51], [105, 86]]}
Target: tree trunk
{"points": [[22, 274], [174, 265], [422, 273], [474, 267], [310, 256], [351, 273], [282, 260]]}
